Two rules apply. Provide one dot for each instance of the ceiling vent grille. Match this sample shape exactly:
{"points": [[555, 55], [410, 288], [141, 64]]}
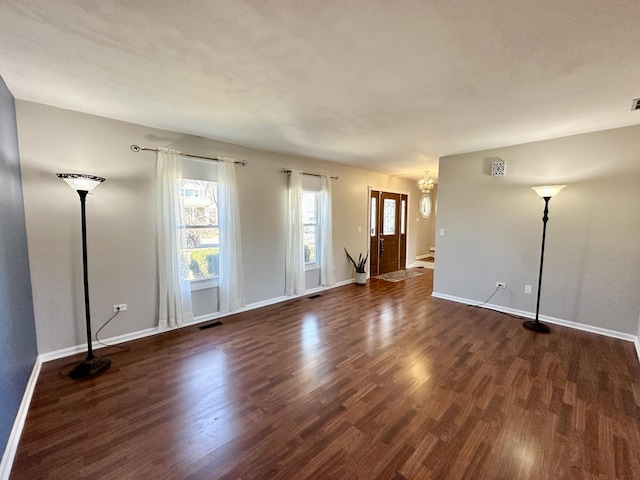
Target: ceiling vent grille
{"points": [[635, 105]]}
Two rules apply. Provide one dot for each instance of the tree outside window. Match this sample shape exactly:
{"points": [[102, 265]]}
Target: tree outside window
{"points": [[199, 229]]}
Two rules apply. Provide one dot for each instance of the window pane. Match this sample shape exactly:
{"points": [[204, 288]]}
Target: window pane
{"points": [[403, 206], [200, 263], [199, 230], [374, 213], [309, 244], [310, 221], [389, 214], [309, 207]]}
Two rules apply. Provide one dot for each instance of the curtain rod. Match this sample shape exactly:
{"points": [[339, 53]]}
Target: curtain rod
{"points": [[243, 163], [287, 171]]}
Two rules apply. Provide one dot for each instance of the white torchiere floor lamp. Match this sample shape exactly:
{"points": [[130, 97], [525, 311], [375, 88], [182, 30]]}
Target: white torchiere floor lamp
{"points": [[546, 193], [83, 184]]}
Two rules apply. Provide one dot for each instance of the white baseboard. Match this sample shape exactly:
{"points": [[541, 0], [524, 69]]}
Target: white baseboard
{"points": [[18, 424], [637, 344], [127, 337], [556, 321]]}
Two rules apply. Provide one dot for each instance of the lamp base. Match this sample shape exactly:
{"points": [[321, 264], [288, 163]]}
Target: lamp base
{"points": [[89, 367], [536, 326]]}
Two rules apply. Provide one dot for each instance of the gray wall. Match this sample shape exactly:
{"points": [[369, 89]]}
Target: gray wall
{"points": [[121, 216], [17, 327], [493, 228]]}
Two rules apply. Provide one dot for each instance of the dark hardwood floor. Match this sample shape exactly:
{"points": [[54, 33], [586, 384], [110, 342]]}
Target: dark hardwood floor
{"points": [[376, 381]]}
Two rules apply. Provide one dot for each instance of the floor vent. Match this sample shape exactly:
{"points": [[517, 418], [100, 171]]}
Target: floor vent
{"points": [[210, 325], [635, 105], [317, 295]]}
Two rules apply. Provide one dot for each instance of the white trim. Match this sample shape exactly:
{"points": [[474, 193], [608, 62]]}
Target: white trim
{"points": [[420, 257], [251, 306], [556, 321], [386, 190], [204, 283], [18, 424], [311, 266], [127, 337], [637, 344], [424, 264]]}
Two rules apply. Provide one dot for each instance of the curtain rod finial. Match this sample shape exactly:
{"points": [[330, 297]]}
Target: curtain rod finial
{"points": [[135, 148]]}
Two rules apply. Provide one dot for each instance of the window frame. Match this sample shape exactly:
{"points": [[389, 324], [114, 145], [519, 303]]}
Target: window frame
{"points": [[212, 281]]}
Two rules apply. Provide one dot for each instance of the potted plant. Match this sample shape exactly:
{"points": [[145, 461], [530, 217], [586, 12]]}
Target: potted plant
{"points": [[361, 273]]}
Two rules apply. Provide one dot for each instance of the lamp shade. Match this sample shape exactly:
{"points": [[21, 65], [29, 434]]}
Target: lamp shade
{"points": [[548, 190], [80, 181]]}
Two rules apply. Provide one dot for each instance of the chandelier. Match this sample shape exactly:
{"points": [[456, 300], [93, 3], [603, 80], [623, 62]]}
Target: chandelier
{"points": [[426, 184]]}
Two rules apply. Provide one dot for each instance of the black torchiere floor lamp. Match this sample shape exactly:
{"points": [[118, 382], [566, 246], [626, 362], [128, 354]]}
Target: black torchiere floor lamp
{"points": [[546, 193], [83, 184]]}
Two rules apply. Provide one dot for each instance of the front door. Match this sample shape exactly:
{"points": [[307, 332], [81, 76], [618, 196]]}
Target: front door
{"points": [[388, 232]]}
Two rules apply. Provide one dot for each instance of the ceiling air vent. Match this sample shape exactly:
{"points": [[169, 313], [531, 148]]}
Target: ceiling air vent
{"points": [[635, 105]]}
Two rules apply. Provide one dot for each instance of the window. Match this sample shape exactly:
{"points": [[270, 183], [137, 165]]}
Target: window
{"points": [[198, 225], [425, 206], [311, 229], [389, 217], [374, 213], [403, 208]]}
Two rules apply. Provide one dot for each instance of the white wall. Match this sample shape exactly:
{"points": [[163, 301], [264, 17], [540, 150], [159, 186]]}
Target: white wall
{"points": [[493, 228], [121, 216]]}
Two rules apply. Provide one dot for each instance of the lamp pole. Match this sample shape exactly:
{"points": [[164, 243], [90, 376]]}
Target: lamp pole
{"points": [[85, 271], [545, 193], [91, 365]]}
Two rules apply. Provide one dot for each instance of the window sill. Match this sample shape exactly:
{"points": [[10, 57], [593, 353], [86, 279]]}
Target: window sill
{"points": [[311, 266], [204, 284]]}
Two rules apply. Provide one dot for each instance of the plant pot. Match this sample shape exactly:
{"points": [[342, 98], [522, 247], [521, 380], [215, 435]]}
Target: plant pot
{"points": [[361, 278]]}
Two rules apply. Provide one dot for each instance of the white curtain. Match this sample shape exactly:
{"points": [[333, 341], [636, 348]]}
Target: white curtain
{"points": [[294, 252], [327, 276], [175, 292], [231, 286]]}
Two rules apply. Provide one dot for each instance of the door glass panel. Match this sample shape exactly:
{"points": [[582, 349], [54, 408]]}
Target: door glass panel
{"points": [[403, 206], [389, 217], [374, 214]]}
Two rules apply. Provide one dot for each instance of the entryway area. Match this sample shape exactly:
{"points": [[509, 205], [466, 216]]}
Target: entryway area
{"points": [[388, 232]]}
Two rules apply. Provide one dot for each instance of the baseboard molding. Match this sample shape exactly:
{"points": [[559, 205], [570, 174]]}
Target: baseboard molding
{"points": [[18, 424], [251, 306], [556, 321], [423, 264], [266, 303], [637, 344], [127, 337]]}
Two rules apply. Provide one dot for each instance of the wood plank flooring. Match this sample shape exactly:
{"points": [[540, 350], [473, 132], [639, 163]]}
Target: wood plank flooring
{"points": [[364, 382]]}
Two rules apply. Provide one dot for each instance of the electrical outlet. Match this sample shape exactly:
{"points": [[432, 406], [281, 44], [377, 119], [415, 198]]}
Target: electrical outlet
{"points": [[527, 289], [121, 307], [501, 285]]}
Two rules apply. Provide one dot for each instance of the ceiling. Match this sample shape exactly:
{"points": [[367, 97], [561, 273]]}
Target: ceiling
{"points": [[384, 86]]}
